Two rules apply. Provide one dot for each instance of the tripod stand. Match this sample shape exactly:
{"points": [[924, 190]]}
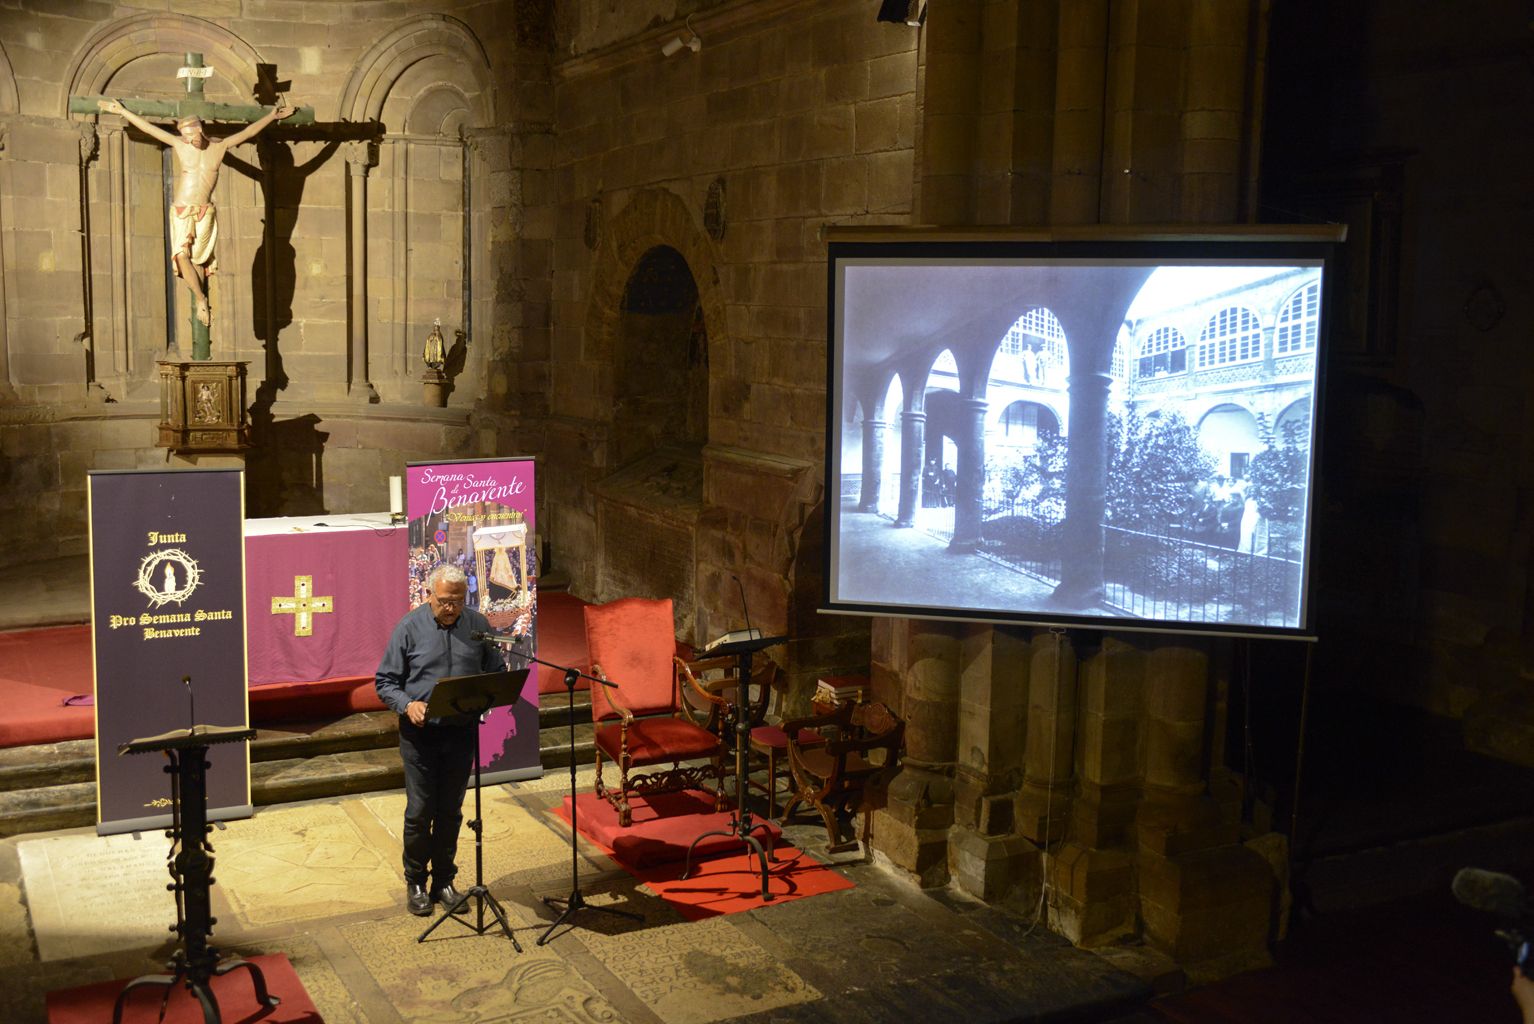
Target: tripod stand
{"points": [[740, 825], [474, 695], [576, 901]]}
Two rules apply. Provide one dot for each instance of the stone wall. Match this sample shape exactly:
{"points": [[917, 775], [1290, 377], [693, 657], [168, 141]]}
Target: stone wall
{"points": [[787, 119]]}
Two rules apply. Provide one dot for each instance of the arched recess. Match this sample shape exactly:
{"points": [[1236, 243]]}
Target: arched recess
{"points": [[1229, 433], [650, 507], [654, 218], [115, 45], [10, 102], [441, 42]]}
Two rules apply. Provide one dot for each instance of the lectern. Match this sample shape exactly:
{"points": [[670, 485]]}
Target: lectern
{"points": [[191, 869]]}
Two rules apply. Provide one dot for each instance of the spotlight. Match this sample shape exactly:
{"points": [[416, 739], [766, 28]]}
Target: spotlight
{"points": [[693, 42], [675, 44]]}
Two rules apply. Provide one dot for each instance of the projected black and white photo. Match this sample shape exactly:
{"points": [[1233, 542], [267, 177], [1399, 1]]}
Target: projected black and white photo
{"points": [[1114, 442]]}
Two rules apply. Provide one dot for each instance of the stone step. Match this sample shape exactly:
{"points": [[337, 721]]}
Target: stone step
{"points": [[53, 785]]}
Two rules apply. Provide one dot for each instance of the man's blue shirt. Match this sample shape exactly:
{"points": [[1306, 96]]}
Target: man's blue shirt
{"points": [[421, 651]]}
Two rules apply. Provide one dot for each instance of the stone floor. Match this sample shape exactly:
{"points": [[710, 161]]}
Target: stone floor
{"points": [[321, 883]]}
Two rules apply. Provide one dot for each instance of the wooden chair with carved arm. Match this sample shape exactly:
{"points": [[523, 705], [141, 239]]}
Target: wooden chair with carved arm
{"points": [[717, 683], [645, 722], [850, 771]]}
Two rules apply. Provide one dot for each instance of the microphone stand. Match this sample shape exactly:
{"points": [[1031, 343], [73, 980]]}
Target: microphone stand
{"points": [[576, 901]]}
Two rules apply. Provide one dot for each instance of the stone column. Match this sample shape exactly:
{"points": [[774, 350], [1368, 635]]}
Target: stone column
{"points": [[1094, 871], [359, 157], [7, 391], [913, 828], [1204, 897], [971, 475], [89, 144], [1086, 485], [989, 859], [873, 465], [913, 453], [1049, 752]]}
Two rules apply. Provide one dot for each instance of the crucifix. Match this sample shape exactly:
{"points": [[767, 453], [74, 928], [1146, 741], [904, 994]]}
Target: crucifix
{"points": [[192, 216]]}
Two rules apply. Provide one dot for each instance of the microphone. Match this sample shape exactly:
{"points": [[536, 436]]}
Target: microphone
{"points": [[191, 702], [743, 609], [496, 638], [1491, 892]]}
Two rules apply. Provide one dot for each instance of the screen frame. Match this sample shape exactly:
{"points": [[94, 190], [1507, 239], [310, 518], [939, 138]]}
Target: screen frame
{"points": [[1275, 243]]}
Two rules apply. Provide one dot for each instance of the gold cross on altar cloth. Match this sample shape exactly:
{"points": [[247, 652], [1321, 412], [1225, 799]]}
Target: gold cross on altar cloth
{"points": [[303, 605]]}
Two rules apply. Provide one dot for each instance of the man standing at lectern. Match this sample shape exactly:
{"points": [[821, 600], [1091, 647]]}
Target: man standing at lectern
{"points": [[434, 641]]}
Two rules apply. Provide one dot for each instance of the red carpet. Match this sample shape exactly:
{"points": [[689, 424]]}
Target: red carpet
{"points": [[729, 885], [665, 824], [561, 639], [725, 881], [39, 670], [92, 1004]]}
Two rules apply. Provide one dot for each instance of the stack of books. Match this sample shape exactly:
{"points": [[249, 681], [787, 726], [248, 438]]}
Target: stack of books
{"points": [[835, 690]]}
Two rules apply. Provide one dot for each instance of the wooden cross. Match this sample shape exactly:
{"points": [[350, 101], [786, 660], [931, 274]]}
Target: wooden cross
{"points": [[194, 103], [303, 605]]}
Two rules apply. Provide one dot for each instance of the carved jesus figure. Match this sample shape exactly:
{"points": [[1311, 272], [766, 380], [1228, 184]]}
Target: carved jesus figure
{"points": [[193, 220]]}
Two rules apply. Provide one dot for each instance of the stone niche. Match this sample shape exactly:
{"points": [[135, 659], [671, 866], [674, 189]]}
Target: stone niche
{"points": [[647, 525]]}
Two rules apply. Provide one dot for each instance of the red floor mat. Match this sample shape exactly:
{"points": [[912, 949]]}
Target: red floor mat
{"points": [[724, 880], [91, 1004]]}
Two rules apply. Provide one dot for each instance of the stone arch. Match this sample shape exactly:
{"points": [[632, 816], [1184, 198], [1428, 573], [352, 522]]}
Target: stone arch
{"points": [[10, 102], [434, 38], [440, 108], [653, 218], [114, 45]]}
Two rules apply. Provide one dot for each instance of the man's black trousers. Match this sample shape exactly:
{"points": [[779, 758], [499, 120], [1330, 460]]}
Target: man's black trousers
{"points": [[438, 760]]}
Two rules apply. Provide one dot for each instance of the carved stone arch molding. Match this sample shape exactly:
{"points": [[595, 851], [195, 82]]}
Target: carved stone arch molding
{"points": [[430, 37], [653, 217], [10, 103], [118, 43]]}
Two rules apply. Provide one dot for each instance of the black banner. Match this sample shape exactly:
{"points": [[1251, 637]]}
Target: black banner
{"points": [[168, 626]]}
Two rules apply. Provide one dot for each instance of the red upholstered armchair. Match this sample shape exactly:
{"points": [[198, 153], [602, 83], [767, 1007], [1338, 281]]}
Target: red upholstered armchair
{"points": [[643, 722]]}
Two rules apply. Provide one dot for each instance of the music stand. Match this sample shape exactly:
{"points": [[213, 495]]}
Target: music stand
{"points": [[740, 818], [196, 962], [474, 695]]}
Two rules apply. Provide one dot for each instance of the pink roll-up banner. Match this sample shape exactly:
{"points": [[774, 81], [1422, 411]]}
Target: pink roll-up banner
{"points": [[478, 515]]}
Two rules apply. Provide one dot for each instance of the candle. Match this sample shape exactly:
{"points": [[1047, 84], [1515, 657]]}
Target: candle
{"points": [[396, 495]]}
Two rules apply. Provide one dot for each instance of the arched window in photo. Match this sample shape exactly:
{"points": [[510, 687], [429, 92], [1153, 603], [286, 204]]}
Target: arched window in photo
{"points": [[1233, 335], [1299, 321], [1164, 352], [1038, 341]]}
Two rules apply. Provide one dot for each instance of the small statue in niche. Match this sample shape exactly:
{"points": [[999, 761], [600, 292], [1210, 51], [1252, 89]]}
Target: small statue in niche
{"points": [[435, 356], [207, 403]]}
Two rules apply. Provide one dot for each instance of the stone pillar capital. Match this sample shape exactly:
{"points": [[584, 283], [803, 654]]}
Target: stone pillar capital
{"points": [[361, 155], [88, 141]]}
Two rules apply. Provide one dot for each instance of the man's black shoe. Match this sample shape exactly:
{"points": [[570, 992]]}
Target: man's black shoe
{"points": [[416, 900], [447, 896]]}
